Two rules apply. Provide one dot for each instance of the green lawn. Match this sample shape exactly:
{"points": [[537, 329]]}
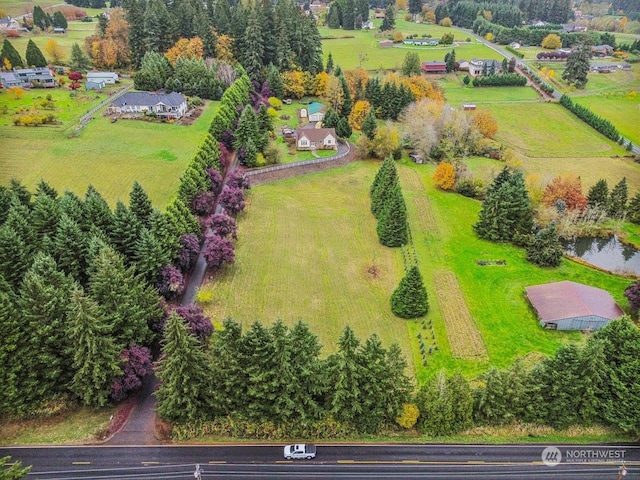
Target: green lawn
{"points": [[620, 108], [457, 93], [297, 268], [111, 156], [363, 51]]}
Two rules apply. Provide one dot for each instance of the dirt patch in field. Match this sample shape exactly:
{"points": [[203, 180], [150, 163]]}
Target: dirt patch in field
{"points": [[191, 117], [463, 333]]}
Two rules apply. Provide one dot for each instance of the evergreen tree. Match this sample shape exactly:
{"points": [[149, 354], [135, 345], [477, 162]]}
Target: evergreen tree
{"points": [[506, 211], [274, 81], [414, 7], [15, 471], [346, 377], [10, 402], [445, 404], [10, 54], [34, 56], [185, 393], [333, 16], [45, 215], [40, 19], [409, 299], [617, 205], [329, 67], [229, 373], [598, 195], [15, 256], [633, 212], [252, 50], [389, 22], [348, 11], [45, 346], [347, 103], [140, 205], [370, 126], [247, 127], [97, 211], [150, 256], [343, 129], [70, 248], [135, 17], [125, 232], [544, 249], [577, 67], [130, 305], [79, 61], [331, 119], [59, 20], [450, 60], [498, 397], [620, 369], [385, 181], [392, 225], [95, 357]]}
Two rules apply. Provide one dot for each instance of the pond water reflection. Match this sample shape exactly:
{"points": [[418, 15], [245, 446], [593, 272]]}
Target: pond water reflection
{"points": [[605, 252]]}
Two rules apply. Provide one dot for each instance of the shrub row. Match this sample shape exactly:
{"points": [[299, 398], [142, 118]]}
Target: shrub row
{"points": [[602, 125], [514, 51], [544, 86], [502, 80]]}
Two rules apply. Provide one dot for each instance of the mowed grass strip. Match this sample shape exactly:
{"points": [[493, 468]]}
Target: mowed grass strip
{"points": [[462, 332], [308, 250]]}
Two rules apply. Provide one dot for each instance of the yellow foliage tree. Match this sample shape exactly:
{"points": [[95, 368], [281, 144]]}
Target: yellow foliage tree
{"points": [[446, 22], [409, 417], [429, 15], [321, 83], [334, 93], [185, 48], [486, 122], [445, 176], [401, 5], [385, 142], [7, 64], [551, 41], [397, 37], [293, 84], [17, 92], [223, 49], [358, 113], [489, 37], [54, 51], [422, 88]]}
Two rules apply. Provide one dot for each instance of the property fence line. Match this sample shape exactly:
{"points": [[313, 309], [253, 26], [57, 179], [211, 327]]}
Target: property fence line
{"points": [[86, 118], [284, 166]]}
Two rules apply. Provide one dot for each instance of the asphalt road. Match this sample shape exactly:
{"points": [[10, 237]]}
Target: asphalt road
{"points": [[346, 462]]}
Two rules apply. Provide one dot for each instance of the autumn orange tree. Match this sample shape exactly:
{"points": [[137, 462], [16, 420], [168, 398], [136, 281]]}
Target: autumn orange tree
{"points": [[293, 84], [445, 176], [486, 122], [112, 51], [567, 188], [185, 48]]}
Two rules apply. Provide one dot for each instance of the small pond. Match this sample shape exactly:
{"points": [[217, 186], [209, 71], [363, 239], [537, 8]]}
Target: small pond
{"points": [[605, 252]]}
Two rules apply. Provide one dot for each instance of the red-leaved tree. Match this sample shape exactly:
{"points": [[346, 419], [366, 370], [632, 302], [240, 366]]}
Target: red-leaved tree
{"points": [[199, 324], [632, 292], [170, 282], [137, 365], [232, 200], [188, 254], [218, 251], [237, 179], [75, 78], [223, 225]]}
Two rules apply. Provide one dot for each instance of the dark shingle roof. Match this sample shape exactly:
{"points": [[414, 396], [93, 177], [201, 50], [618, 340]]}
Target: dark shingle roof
{"points": [[562, 300], [172, 99]]}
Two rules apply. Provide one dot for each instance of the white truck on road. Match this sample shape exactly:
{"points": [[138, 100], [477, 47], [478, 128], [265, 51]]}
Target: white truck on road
{"points": [[300, 450]]}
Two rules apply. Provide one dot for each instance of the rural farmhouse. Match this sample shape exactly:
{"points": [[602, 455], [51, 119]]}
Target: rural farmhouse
{"points": [[166, 105]]}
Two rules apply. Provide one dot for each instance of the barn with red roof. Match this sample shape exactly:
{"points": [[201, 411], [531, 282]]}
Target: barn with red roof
{"points": [[572, 306]]}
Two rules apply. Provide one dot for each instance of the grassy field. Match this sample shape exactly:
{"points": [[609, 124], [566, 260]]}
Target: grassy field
{"points": [[457, 93], [362, 50], [111, 156], [73, 427], [619, 107], [304, 270]]}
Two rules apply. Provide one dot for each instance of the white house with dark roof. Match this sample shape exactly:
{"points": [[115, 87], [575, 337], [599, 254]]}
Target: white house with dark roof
{"points": [[35, 77], [316, 139], [484, 67], [8, 23], [167, 105]]}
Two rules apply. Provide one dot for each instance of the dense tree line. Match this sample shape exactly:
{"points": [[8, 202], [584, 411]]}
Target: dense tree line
{"points": [[463, 14], [256, 34], [602, 125], [273, 375], [529, 35]]}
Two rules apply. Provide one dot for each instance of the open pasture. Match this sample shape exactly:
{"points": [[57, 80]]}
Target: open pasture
{"points": [[111, 156], [457, 93], [620, 107], [363, 51]]}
